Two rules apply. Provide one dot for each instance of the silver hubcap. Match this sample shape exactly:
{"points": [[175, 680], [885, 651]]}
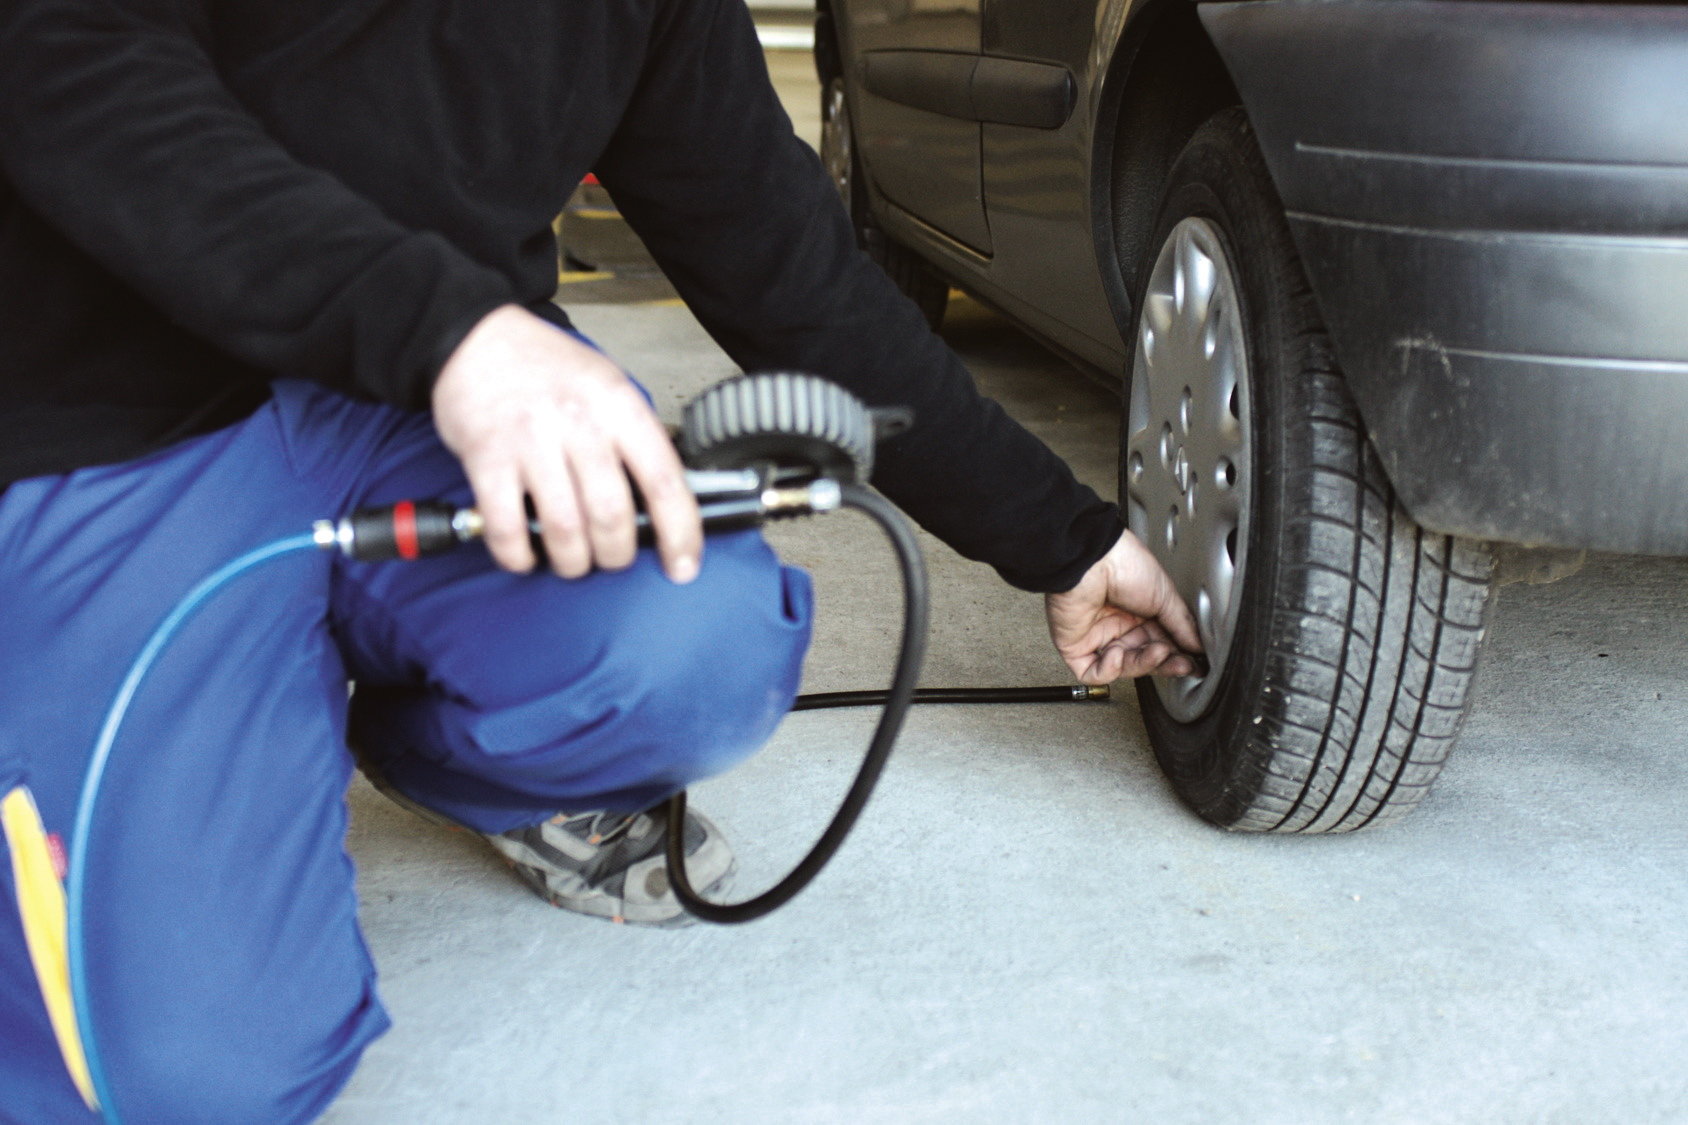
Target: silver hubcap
{"points": [[835, 139], [1187, 470]]}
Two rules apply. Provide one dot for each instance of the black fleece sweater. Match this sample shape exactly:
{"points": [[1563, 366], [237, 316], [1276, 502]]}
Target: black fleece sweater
{"points": [[198, 196]]}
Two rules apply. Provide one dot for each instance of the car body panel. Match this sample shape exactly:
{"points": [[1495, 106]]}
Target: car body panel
{"points": [[1491, 200], [1037, 182], [916, 158], [1039, 263]]}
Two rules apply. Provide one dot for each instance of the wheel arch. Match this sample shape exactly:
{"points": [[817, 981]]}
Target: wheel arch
{"points": [[1161, 77]]}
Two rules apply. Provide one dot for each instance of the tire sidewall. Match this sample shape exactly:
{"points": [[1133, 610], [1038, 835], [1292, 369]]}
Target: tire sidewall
{"points": [[856, 203], [1221, 178]]}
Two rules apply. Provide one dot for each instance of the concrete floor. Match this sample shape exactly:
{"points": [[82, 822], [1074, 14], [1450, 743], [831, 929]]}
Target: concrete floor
{"points": [[1027, 926]]}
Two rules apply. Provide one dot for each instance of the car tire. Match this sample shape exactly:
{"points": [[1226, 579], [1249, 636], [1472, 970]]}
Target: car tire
{"points": [[1343, 638], [843, 163]]}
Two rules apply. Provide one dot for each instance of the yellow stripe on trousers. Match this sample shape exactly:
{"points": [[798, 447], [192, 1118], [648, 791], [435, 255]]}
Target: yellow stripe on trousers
{"points": [[41, 903]]}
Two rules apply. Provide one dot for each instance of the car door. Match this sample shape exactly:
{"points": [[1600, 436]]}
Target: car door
{"points": [[1039, 58], [917, 137]]}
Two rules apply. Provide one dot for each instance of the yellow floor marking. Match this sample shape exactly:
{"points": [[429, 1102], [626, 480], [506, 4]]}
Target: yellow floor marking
{"points": [[592, 213], [574, 277], [663, 303]]}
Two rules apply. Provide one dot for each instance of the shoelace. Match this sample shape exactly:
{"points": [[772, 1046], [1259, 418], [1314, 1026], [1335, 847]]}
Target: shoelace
{"points": [[593, 832]]}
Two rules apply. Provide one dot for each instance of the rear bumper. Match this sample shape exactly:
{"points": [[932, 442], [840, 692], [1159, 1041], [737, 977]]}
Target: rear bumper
{"points": [[1491, 200]]}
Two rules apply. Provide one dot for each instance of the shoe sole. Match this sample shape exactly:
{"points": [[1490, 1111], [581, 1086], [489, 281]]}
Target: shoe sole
{"points": [[666, 915]]}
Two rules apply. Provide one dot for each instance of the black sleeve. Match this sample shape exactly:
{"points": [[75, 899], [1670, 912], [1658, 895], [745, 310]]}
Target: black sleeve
{"points": [[115, 126], [743, 218]]}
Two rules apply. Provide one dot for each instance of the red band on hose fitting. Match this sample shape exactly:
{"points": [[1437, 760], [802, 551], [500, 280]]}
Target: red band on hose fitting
{"points": [[404, 530]]}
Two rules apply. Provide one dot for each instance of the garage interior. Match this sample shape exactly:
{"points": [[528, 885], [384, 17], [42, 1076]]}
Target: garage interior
{"points": [[1027, 925]]}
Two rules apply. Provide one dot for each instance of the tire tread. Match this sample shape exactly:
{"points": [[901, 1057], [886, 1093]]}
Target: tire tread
{"points": [[1369, 626], [1408, 648]]}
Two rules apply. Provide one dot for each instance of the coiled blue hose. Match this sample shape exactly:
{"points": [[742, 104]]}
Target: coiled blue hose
{"points": [[77, 875]]}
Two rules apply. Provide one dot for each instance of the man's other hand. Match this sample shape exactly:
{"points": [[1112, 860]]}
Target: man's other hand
{"points": [[533, 412], [1124, 618]]}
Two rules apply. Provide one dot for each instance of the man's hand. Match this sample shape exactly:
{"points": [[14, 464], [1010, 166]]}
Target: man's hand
{"points": [[531, 411], [1124, 618]]}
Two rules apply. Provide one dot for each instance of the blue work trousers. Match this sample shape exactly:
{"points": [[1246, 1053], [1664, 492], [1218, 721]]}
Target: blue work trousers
{"points": [[227, 978]]}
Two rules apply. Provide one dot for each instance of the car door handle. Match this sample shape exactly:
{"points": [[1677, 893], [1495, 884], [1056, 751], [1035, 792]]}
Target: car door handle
{"points": [[971, 87]]}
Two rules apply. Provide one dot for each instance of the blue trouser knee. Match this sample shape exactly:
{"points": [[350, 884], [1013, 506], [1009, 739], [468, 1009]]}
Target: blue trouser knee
{"points": [[227, 977]]}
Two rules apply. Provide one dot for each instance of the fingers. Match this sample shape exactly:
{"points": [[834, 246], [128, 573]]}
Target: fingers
{"points": [[1142, 585], [557, 505], [1178, 665], [536, 415], [1177, 619], [656, 468], [585, 504], [1122, 662], [1124, 647], [497, 485]]}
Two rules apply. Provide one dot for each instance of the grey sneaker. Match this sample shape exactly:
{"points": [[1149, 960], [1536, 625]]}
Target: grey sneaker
{"points": [[606, 865], [612, 865]]}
